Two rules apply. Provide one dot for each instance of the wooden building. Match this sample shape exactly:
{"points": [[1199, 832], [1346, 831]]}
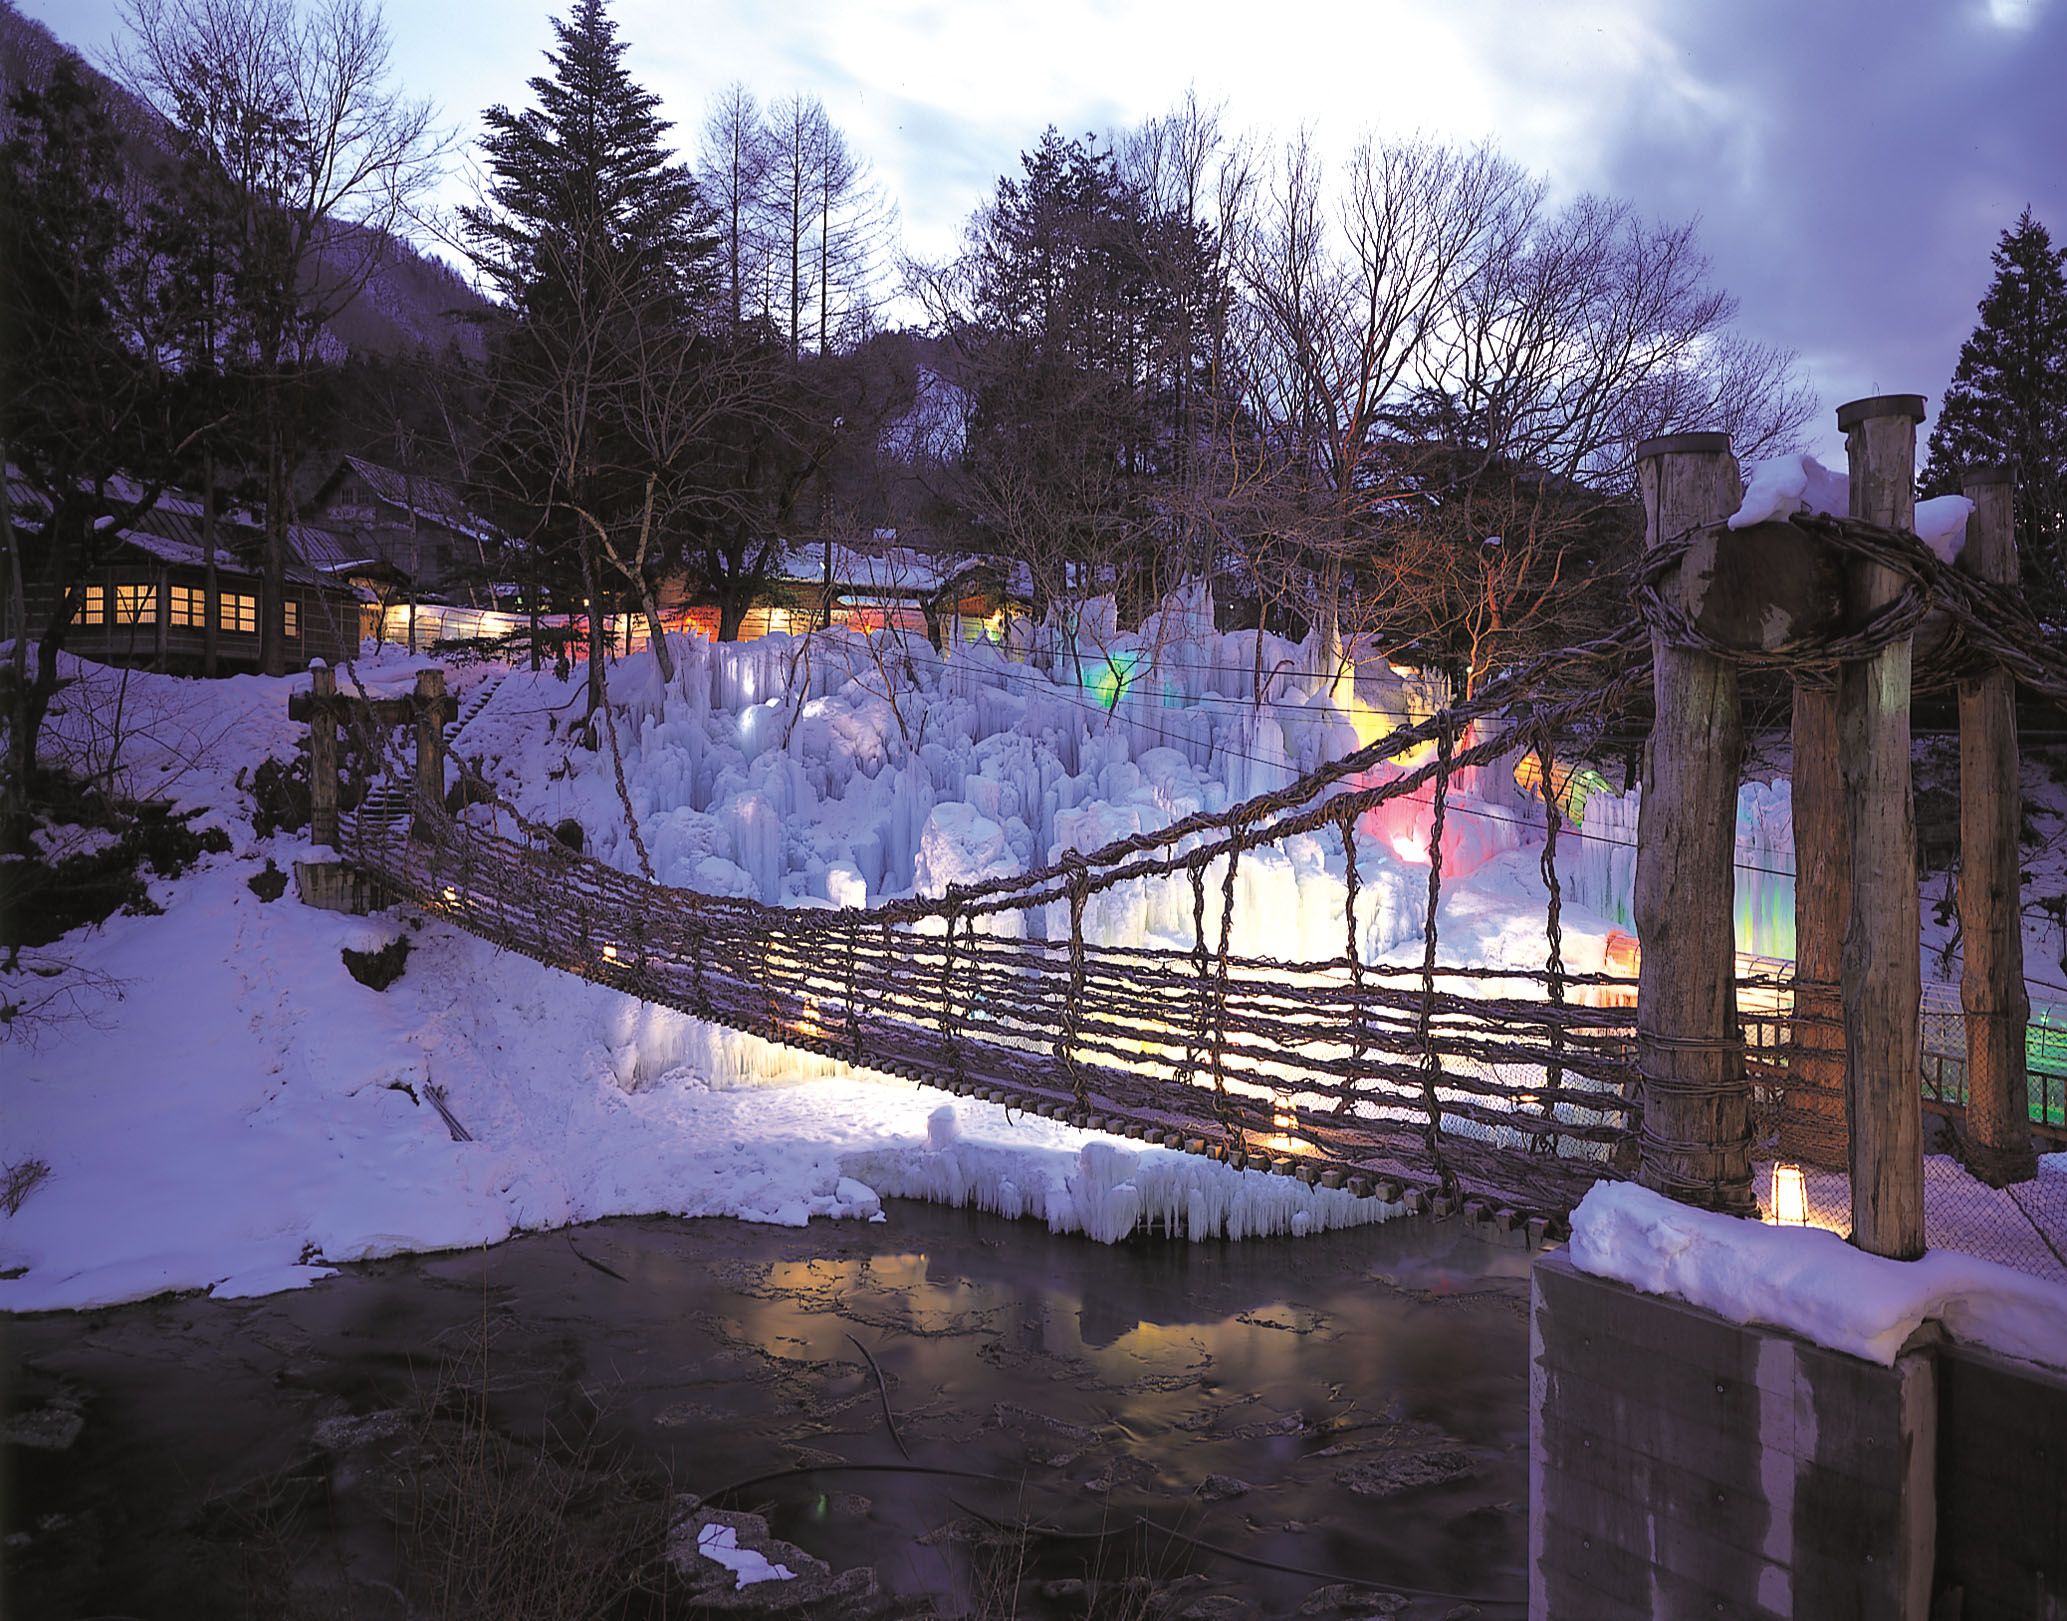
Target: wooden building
{"points": [[874, 587], [418, 527], [148, 604]]}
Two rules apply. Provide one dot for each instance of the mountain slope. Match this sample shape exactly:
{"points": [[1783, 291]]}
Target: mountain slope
{"points": [[410, 300]]}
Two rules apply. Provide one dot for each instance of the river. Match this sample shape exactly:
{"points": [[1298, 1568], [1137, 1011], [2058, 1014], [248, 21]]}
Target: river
{"points": [[899, 1400]]}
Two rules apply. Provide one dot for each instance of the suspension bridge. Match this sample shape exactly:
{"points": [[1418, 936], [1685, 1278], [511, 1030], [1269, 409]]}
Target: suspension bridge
{"points": [[1505, 1091]]}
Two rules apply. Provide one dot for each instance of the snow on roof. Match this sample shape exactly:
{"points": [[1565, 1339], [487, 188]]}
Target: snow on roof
{"points": [[183, 553], [426, 497], [894, 570]]}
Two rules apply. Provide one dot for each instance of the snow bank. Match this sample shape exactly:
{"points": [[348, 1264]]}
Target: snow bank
{"points": [[247, 1116], [243, 1116], [1810, 1282]]}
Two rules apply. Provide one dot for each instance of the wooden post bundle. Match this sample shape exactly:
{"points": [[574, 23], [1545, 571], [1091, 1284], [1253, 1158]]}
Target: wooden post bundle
{"points": [[1991, 985], [1696, 1120], [430, 752], [322, 755], [1882, 950]]}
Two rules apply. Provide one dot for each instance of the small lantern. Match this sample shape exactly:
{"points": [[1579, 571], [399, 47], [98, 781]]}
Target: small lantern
{"points": [[1790, 1197], [610, 953], [451, 896]]}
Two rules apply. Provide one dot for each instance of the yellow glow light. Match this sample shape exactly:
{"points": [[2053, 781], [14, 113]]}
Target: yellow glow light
{"points": [[610, 953], [1790, 1196], [451, 896]]}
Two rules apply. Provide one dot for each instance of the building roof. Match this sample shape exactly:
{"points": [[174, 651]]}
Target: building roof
{"points": [[171, 532], [418, 495], [894, 571]]}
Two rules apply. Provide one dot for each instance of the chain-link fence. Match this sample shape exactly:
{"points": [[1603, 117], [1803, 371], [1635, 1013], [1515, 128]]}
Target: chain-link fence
{"points": [[1797, 1073]]}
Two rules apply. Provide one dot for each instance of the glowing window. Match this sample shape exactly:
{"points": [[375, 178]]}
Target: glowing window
{"points": [[291, 621], [239, 612], [189, 607], [94, 609], [136, 604]]}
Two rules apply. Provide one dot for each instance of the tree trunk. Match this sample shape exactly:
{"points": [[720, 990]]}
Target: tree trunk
{"points": [[656, 632], [592, 586], [14, 814], [272, 586], [1882, 952], [211, 588], [733, 604]]}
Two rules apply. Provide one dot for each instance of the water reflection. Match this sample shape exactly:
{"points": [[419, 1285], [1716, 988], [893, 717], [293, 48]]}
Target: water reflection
{"points": [[1352, 1403]]}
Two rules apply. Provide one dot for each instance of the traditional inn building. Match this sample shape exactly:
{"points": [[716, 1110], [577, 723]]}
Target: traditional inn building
{"points": [[148, 604]]}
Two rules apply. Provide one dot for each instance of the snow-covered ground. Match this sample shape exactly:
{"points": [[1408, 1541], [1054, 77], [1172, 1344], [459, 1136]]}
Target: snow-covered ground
{"points": [[224, 1108], [227, 1109]]}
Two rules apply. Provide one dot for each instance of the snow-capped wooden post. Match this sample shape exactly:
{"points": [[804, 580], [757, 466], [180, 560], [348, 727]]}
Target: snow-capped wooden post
{"points": [[322, 755], [1991, 985], [1696, 1103], [1882, 950], [430, 751]]}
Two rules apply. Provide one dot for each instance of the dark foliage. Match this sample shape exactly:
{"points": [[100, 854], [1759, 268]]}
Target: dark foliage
{"points": [[280, 796], [2007, 404], [42, 901]]}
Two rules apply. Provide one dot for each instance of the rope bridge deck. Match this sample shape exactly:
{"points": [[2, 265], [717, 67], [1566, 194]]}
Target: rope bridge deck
{"points": [[1362, 1081]]}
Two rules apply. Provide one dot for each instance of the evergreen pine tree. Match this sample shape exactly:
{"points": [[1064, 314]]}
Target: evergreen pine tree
{"points": [[583, 189], [2007, 405], [81, 395], [603, 251]]}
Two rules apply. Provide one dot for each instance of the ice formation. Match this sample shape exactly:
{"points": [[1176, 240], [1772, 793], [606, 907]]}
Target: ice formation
{"points": [[1597, 863], [848, 771]]}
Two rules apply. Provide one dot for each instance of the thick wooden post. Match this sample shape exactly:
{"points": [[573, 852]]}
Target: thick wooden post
{"points": [[430, 751], [1814, 1130], [1697, 1120], [322, 755], [1991, 985], [1883, 949]]}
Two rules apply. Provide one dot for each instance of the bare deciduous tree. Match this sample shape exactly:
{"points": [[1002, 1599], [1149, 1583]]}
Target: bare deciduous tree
{"points": [[327, 158], [733, 170]]}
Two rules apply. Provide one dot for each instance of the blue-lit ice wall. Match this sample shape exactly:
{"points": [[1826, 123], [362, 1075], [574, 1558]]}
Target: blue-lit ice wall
{"points": [[1597, 863]]}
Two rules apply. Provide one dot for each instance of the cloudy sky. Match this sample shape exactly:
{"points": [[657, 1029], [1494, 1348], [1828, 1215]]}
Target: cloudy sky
{"points": [[1851, 161]]}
